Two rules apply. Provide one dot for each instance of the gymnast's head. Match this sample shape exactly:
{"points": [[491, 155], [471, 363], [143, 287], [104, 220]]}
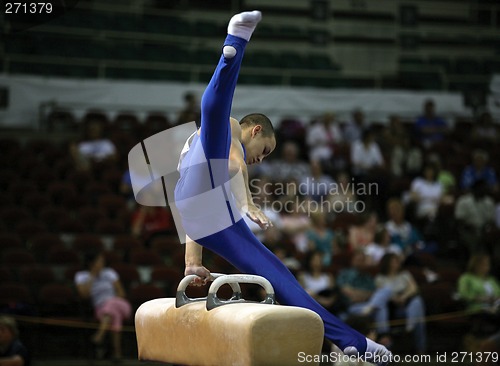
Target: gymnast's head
{"points": [[257, 135]]}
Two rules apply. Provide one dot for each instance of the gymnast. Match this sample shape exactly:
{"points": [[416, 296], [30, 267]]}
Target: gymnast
{"points": [[209, 201]]}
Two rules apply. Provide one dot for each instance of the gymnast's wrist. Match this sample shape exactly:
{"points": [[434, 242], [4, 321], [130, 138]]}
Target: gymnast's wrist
{"points": [[193, 263]]}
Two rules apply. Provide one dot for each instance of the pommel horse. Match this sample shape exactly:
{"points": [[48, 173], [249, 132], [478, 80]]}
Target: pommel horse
{"points": [[213, 332]]}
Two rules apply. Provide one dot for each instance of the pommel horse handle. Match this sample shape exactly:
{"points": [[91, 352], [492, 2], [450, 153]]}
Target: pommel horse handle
{"points": [[182, 299], [213, 301]]}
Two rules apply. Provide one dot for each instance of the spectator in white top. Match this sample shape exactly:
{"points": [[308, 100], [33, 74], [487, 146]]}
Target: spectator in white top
{"points": [[405, 297], [381, 246], [319, 283], [102, 285], [94, 147], [366, 155], [323, 136], [426, 192], [354, 130], [474, 211]]}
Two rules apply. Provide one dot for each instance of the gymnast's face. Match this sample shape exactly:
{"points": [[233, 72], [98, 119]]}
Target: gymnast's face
{"points": [[258, 146]]}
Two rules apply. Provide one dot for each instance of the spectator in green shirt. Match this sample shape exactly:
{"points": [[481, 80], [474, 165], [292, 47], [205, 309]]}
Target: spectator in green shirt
{"points": [[477, 287]]}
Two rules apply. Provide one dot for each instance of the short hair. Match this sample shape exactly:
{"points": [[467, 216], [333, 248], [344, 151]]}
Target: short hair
{"points": [[254, 119], [10, 323], [475, 260], [90, 258]]}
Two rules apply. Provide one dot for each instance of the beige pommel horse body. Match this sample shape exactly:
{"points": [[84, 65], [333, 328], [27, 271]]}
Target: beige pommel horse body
{"points": [[214, 332]]}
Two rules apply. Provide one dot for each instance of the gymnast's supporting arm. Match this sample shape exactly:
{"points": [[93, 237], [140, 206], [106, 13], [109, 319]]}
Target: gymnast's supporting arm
{"points": [[193, 260]]}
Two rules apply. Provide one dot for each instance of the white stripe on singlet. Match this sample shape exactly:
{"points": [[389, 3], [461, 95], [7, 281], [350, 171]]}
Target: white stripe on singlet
{"points": [[185, 150]]}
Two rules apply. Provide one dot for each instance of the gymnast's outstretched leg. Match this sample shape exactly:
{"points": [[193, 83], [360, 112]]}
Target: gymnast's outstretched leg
{"points": [[241, 248]]}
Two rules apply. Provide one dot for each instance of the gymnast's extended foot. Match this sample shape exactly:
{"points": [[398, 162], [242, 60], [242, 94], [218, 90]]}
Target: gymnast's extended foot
{"points": [[243, 24], [375, 353]]}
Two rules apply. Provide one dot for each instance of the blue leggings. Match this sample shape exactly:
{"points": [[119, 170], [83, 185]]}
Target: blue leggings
{"points": [[236, 243]]}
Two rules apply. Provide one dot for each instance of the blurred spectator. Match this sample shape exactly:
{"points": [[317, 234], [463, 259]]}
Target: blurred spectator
{"points": [[149, 222], [429, 127], [406, 158], [102, 285], [321, 238], [366, 155], [381, 246], [479, 170], [445, 177], [343, 197], [295, 223], [317, 185], [12, 351], [497, 210], [363, 232], [393, 134], [360, 293], [477, 287], [474, 211], [126, 189], [402, 232], [288, 166], [287, 258], [323, 136], [405, 297], [426, 192], [354, 129], [320, 284], [191, 111], [94, 146], [484, 130]]}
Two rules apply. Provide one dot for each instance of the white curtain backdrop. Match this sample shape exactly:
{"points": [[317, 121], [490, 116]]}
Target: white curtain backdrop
{"points": [[27, 94]]}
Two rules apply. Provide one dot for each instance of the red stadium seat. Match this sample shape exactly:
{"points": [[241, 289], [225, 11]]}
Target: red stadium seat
{"points": [[36, 276], [26, 229], [113, 257], [113, 205], [128, 274], [57, 300], [6, 275], [85, 243], [141, 293], [166, 277], [70, 225], [110, 227], [35, 202], [13, 292], [41, 244], [145, 257], [9, 241], [90, 216], [65, 257], [165, 245], [18, 257], [126, 242], [11, 216]]}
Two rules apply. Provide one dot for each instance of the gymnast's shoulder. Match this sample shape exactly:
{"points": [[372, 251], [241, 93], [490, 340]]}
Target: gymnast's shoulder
{"points": [[235, 128]]}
